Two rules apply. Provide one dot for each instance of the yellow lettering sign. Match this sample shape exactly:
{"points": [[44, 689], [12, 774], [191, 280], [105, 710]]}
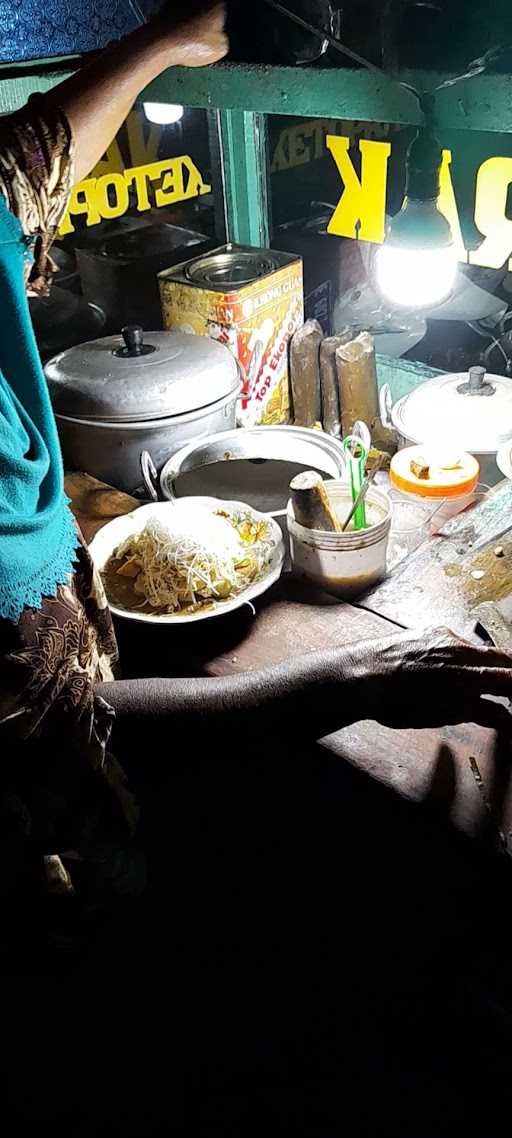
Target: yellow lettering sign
{"points": [[82, 200], [448, 205], [306, 142], [140, 179], [298, 147], [280, 160], [361, 209], [112, 198], [173, 186], [360, 212], [194, 185], [109, 196], [493, 181]]}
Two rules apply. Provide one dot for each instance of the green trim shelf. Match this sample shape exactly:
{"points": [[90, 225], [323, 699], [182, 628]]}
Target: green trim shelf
{"points": [[482, 103], [238, 97]]}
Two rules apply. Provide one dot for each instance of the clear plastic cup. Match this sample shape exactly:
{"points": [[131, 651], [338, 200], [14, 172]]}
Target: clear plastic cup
{"points": [[410, 525], [415, 520]]}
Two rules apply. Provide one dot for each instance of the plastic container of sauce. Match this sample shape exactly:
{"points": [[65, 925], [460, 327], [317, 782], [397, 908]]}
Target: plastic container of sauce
{"points": [[427, 488], [348, 563]]}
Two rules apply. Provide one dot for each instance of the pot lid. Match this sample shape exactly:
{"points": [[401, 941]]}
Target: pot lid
{"points": [[430, 475], [471, 409], [231, 267], [140, 376]]}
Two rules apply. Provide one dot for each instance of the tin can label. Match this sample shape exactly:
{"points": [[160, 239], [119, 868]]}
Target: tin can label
{"points": [[255, 322]]}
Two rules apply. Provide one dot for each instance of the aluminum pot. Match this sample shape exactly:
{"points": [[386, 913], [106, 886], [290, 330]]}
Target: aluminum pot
{"points": [[253, 464], [120, 273], [116, 397], [471, 411]]}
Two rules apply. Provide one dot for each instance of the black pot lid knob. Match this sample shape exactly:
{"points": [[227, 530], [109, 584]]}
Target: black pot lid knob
{"points": [[134, 345]]}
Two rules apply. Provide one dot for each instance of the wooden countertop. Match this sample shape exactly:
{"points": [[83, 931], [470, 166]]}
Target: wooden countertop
{"points": [[431, 766]]}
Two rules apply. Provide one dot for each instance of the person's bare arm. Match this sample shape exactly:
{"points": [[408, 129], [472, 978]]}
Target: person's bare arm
{"points": [[97, 99], [412, 680]]}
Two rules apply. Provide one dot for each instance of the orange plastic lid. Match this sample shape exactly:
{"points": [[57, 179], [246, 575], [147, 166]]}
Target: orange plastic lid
{"points": [[449, 476]]}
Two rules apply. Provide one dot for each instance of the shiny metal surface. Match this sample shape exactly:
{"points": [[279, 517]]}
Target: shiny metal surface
{"points": [[229, 267], [300, 446], [183, 373], [448, 403], [111, 451]]}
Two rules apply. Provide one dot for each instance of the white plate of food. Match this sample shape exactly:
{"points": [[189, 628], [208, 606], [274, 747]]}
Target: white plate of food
{"points": [[183, 561]]}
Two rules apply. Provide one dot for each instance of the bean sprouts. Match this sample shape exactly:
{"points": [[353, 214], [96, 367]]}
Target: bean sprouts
{"points": [[205, 558]]}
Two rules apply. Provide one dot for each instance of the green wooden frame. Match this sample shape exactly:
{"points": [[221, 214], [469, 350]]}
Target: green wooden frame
{"points": [[241, 95], [483, 103], [238, 146]]}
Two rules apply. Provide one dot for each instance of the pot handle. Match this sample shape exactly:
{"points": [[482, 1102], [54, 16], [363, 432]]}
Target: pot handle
{"points": [[149, 475], [385, 405]]}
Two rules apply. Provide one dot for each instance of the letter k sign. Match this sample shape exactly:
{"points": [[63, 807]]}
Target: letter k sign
{"points": [[361, 210]]}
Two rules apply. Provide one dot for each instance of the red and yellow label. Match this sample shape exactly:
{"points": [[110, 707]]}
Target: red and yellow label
{"points": [[255, 323]]}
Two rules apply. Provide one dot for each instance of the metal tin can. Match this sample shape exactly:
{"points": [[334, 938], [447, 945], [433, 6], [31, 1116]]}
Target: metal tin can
{"points": [[251, 300]]}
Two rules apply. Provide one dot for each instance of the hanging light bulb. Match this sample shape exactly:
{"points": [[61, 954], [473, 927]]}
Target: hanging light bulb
{"points": [[163, 114], [417, 264]]}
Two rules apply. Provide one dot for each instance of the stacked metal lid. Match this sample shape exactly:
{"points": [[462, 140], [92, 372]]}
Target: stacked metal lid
{"points": [[136, 378]]}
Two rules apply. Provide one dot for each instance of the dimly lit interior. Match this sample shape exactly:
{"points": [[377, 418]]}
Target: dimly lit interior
{"points": [[256, 567]]}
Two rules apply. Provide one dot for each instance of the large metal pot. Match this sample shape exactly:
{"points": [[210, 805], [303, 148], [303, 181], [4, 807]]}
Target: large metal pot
{"points": [[253, 465], [468, 410], [116, 397], [120, 273]]}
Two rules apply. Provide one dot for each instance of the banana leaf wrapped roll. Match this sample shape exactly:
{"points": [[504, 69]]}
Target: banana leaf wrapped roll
{"points": [[305, 374], [311, 504]]}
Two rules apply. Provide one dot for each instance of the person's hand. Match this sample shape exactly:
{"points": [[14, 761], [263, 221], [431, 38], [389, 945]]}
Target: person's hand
{"points": [[431, 679], [194, 33]]}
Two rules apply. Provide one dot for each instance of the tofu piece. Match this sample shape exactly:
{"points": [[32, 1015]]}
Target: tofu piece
{"points": [[131, 568], [420, 467]]}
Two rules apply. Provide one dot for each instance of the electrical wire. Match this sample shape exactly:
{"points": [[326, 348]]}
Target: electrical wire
{"points": [[494, 343], [335, 43], [425, 98], [477, 67], [488, 352]]}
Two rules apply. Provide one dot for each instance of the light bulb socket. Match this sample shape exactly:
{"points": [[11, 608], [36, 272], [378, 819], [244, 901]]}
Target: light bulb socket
{"points": [[423, 167]]}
